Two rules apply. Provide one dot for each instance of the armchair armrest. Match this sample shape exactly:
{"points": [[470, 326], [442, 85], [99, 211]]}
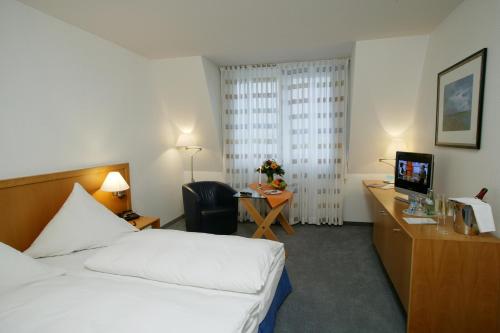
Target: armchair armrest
{"points": [[225, 195], [192, 209]]}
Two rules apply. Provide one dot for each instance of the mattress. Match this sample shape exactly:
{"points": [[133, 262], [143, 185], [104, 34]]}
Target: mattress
{"points": [[73, 264]]}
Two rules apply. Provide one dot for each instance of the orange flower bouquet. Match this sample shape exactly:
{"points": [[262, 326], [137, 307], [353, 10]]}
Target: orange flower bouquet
{"points": [[271, 168]]}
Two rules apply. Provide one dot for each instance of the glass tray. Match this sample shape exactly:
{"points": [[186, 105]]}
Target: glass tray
{"points": [[420, 214]]}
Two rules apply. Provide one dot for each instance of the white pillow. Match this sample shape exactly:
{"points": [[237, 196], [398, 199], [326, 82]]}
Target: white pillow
{"points": [[81, 223], [17, 269]]}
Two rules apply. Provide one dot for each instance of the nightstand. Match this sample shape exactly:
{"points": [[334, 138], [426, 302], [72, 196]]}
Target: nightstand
{"points": [[146, 221]]}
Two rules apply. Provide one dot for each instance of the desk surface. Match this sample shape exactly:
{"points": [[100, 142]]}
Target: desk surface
{"points": [[395, 208]]}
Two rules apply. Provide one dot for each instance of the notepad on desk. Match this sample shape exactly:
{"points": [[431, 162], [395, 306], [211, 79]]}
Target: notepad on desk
{"points": [[419, 220]]}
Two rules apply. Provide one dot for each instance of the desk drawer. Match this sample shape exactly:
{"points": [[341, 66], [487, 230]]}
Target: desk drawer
{"points": [[398, 259], [394, 248]]}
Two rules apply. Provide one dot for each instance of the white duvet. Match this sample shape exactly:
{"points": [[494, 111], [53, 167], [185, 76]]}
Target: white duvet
{"points": [[192, 259], [88, 304]]}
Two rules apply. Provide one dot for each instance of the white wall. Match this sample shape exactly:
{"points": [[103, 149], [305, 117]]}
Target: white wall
{"points": [[461, 172], [69, 99], [386, 77], [213, 83], [385, 80], [188, 90], [357, 198], [204, 175]]}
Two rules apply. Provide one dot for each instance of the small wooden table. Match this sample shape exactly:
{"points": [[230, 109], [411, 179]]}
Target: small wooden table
{"points": [[275, 202], [145, 221]]}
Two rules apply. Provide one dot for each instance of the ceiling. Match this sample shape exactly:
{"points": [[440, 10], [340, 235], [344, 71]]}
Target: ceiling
{"points": [[247, 31]]}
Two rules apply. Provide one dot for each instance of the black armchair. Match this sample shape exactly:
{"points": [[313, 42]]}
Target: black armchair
{"points": [[210, 207]]}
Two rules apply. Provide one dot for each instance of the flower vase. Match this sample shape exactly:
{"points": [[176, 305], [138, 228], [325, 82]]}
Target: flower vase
{"points": [[270, 178]]}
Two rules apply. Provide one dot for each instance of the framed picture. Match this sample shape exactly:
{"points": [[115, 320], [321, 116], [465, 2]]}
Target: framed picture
{"points": [[460, 103]]}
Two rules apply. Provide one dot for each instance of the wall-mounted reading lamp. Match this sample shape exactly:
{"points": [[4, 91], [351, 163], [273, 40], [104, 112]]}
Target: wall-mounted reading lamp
{"points": [[187, 142], [395, 145], [386, 161], [115, 183]]}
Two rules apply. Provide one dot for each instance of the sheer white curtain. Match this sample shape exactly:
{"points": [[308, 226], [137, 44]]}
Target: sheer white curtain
{"points": [[294, 113], [314, 105], [251, 120]]}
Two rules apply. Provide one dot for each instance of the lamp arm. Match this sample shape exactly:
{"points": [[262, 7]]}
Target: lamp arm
{"points": [[196, 150], [384, 160]]}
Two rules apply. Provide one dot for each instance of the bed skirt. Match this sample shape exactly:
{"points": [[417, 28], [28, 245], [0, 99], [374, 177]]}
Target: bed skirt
{"points": [[283, 289]]}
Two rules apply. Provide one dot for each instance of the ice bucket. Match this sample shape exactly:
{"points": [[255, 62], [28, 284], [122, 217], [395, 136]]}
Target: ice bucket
{"points": [[464, 221]]}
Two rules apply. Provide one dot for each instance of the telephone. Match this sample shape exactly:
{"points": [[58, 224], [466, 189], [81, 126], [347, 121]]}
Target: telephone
{"points": [[128, 215]]}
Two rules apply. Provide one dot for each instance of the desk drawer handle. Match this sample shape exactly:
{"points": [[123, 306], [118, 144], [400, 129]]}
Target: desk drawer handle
{"points": [[383, 212], [396, 230]]}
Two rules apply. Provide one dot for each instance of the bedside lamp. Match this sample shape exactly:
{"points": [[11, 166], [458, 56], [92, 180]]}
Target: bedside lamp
{"points": [[187, 142], [115, 183]]}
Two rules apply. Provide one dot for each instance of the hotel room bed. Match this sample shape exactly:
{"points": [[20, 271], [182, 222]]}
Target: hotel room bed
{"points": [[83, 300], [81, 304], [98, 281], [74, 265]]}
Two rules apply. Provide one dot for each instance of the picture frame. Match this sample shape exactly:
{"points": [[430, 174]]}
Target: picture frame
{"points": [[459, 107]]}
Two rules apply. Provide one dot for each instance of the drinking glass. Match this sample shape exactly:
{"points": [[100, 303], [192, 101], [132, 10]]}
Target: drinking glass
{"points": [[441, 205], [413, 204], [450, 207], [420, 210]]}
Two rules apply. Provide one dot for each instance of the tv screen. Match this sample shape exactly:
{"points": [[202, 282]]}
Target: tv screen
{"points": [[413, 172]]}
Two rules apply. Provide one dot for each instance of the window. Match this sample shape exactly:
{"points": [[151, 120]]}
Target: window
{"points": [[294, 113]]}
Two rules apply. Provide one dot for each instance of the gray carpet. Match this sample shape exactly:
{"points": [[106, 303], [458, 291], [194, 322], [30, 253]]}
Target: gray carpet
{"points": [[339, 284]]}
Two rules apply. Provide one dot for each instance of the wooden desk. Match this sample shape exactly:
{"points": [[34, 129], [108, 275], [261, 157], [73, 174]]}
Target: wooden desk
{"points": [[275, 203], [446, 282]]}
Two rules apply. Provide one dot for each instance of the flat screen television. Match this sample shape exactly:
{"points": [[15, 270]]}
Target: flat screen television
{"points": [[413, 173]]}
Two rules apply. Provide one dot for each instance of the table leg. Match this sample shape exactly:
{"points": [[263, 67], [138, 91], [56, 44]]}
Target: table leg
{"points": [[266, 224], [254, 213], [284, 223], [259, 220]]}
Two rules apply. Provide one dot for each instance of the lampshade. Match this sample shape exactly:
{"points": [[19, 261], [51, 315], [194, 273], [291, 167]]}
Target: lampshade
{"points": [[114, 182], [186, 140]]}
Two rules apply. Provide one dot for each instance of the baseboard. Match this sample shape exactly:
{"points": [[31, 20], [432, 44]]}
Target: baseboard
{"points": [[359, 224], [174, 221]]}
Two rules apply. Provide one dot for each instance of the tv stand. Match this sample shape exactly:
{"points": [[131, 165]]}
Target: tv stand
{"points": [[447, 283]]}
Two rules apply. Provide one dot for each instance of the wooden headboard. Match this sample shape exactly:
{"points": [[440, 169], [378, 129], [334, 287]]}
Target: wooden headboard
{"points": [[27, 204]]}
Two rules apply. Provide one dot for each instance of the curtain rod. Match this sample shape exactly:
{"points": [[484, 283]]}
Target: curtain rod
{"points": [[230, 67]]}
